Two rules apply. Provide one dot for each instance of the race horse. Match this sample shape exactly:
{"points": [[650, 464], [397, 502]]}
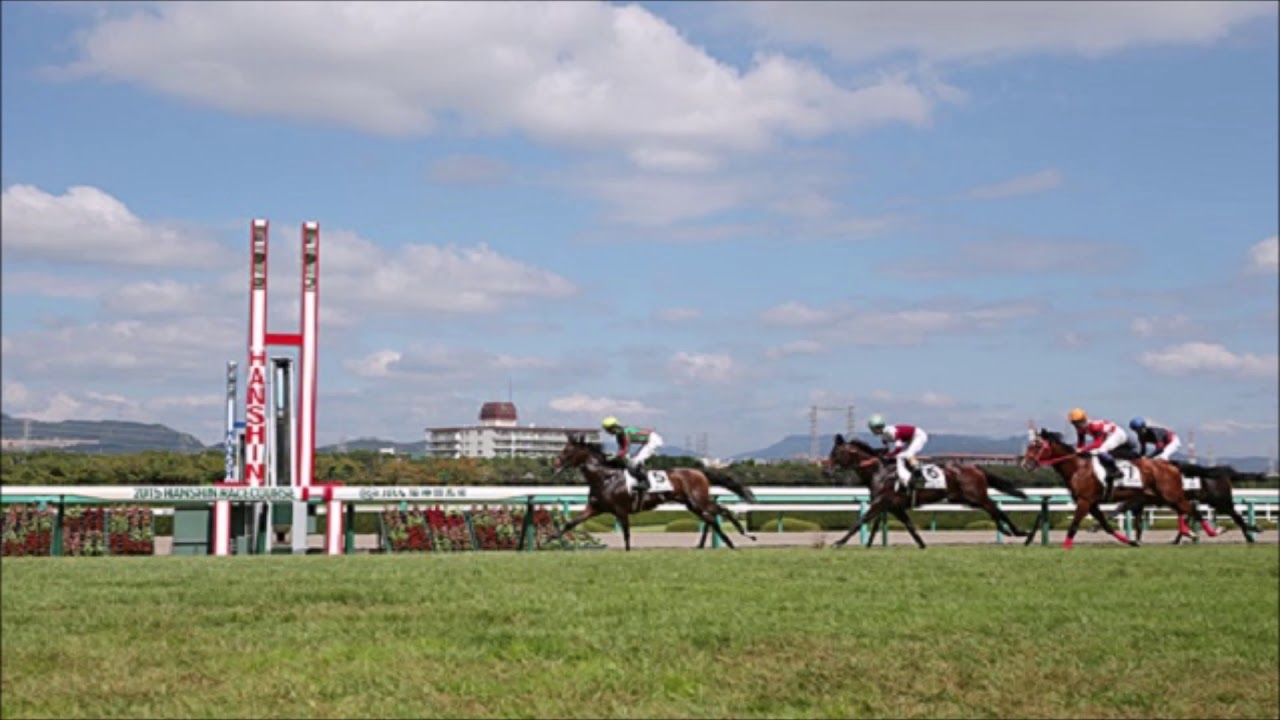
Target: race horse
{"points": [[608, 493], [1161, 483], [965, 484], [1217, 490]]}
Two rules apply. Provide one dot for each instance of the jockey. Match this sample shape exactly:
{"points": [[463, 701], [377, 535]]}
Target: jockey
{"points": [[904, 442], [1107, 436], [649, 441], [1166, 442]]}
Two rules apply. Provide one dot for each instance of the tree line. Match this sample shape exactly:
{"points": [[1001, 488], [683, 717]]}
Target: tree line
{"points": [[369, 467]]}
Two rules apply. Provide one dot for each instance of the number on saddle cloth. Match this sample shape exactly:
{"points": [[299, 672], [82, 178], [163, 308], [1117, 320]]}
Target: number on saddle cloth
{"points": [[1130, 476]]}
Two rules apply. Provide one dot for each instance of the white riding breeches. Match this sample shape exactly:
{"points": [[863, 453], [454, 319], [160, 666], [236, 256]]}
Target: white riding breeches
{"points": [[1113, 441], [1174, 446], [648, 449], [917, 444]]}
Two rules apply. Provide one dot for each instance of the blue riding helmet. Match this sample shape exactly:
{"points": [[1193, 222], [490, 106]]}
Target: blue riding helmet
{"points": [[1137, 423]]}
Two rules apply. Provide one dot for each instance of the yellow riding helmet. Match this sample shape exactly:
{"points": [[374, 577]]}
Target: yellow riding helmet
{"points": [[609, 422], [1077, 415]]}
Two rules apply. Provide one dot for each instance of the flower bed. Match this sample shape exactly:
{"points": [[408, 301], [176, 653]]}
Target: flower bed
{"points": [[27, 530], [497, 528], [547, 523], [130, 530], [449, 529], [406, 531], [82, 532]]}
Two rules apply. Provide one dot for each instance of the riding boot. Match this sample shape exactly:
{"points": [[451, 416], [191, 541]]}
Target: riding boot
{"points": [[917, 477], [1113, 474], [642, 482]]}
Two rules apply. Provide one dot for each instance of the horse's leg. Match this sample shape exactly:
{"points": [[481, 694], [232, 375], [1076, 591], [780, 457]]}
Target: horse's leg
{"points": [[624, 519], [905, 518], [875, 508], [876, 525], [1230, 509], [1108, 527], [1082, 508], [1001, 518], [1136, 513], [587, 513], [726, 513], [702, 541], [1196, 515]]}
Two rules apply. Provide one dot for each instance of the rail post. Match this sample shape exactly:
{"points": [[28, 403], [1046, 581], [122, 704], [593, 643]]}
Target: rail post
{"points": [[55, 545]]}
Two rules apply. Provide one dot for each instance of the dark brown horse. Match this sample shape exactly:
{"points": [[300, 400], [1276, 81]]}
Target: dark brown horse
{"points": [[966, 484], [1217, 490], [609, 495], [1161, 484]]}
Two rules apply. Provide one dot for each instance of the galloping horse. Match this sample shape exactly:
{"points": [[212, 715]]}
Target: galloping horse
{"points": [[609, 495], [1216, 491], [1160, 482], [966, 484]]}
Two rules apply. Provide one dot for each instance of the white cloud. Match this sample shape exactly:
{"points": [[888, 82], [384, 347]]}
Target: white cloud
{"points": [[160, 297], [65, 286], [1072, 339], [1148, 326], [988, 30], [1264, 257], [1011, 255], [87, 226], [909, 326], [796, 347], [678, 314], [1235, 426], [429, 278], [581, 404], [1024, 185], [155, 351], [1198, 357], [468, 170], [375, 364], [585, 75], [795, 314], [687, 368]]}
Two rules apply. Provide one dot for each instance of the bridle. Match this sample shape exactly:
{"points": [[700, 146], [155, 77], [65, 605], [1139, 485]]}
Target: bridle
{"points": [[1046, 446]]}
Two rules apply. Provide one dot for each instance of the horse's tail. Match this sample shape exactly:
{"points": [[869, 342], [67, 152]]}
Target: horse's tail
{"points": [[1004, 486], [728, 482]]}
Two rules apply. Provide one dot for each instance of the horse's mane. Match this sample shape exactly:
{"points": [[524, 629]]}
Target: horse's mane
{"points": [[864, 447], [1051, 436]]}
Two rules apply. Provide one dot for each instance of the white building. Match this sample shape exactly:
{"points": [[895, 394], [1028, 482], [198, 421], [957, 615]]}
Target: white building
{"points": [[499, 435]]}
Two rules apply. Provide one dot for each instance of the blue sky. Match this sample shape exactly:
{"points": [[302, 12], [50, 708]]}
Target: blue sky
{"points": [[702, 217]]}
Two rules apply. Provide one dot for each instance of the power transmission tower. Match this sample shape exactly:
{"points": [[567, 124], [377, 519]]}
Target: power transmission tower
{"points": [[813, 426]]}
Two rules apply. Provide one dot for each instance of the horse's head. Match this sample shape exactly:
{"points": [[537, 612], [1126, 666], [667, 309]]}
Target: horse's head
{"points": [[1043, 448], [576, 453], [851, 453]]}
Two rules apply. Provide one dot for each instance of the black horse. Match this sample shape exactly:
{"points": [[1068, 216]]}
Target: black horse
{"points": [[690, 487], [965, 484], [1217, 490]]}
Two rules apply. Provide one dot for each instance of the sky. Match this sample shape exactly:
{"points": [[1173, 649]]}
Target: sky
{"points": [[697, 217]]}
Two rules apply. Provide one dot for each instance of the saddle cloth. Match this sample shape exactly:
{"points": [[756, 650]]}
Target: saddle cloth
{"points": [[1130, 476], [658, 482], [934, 478], [1190, 483]]}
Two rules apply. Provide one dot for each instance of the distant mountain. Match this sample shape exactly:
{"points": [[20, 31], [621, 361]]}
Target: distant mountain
{"points": [[104, 437], [797, 446], [401, 448], [117, 437]]}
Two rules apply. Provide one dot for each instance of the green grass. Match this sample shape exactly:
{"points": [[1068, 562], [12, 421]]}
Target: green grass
{"points": [[1101, 631]]}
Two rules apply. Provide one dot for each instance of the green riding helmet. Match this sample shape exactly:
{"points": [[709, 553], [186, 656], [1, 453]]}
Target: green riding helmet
{"points": [[876, 424]]}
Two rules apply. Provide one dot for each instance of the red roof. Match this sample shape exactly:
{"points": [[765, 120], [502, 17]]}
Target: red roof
{"points": [[498, 411]]}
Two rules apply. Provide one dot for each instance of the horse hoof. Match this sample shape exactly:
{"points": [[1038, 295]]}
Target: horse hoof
{"points": [[1134, 543]]}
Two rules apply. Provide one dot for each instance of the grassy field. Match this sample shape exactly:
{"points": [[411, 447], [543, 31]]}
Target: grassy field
{"points": [[1102, 631]]}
